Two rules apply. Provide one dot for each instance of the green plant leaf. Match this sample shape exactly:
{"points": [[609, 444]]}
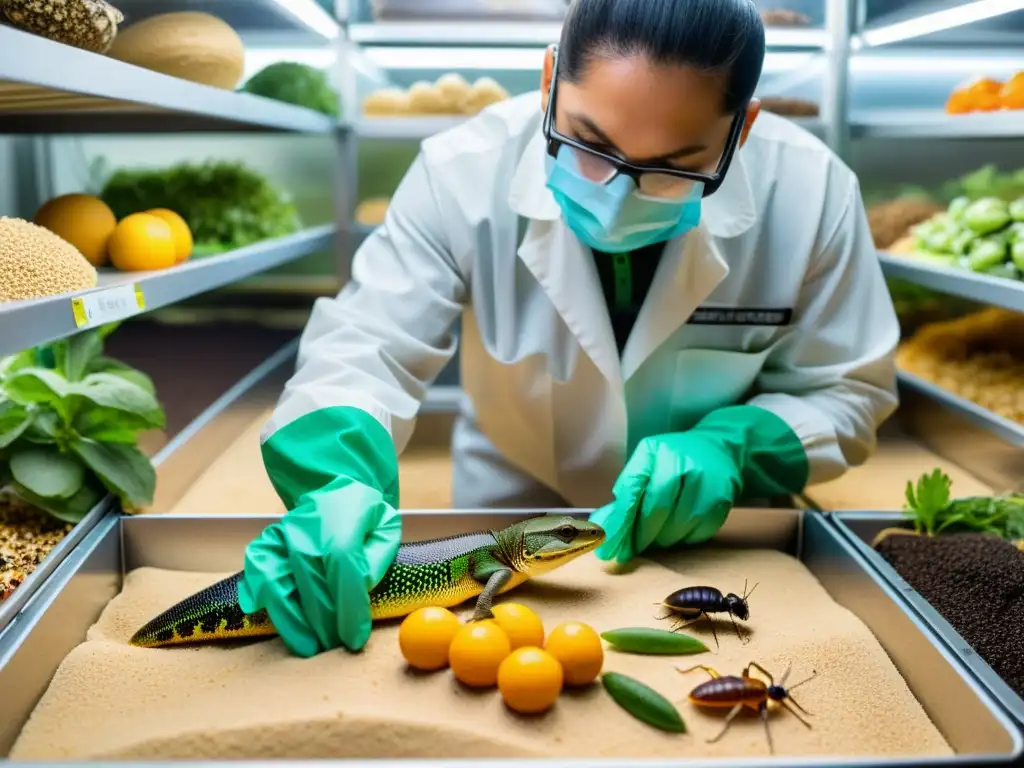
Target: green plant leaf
{"points": [[74, 353], [107, 425], [653, 641], [13, 363], [927, 502], [30, 386], [109, 365], [70, 510], [642, 702], [123, 469], [45, 428], [47, 472], [112, 391], [14, 420]]}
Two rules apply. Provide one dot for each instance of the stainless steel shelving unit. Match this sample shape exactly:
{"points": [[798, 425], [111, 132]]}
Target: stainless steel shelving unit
{"points": [[48, 88], [984, 289]]}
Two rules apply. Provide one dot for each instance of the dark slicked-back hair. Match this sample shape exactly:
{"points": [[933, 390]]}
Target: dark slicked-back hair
{"points": [[715, 36]]}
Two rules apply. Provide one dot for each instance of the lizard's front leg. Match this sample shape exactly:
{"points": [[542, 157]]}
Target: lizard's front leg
{"points": [[495, 581]]}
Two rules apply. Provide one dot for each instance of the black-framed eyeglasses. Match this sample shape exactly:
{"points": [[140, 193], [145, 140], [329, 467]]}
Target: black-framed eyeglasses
{"points": [[656, 181]]}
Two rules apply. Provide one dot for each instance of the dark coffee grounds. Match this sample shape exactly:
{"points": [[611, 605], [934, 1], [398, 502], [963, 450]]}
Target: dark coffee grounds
{"points": [[976, 581]]}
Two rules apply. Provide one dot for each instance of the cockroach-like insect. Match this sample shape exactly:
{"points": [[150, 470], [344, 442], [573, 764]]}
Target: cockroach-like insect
{"points": [[746, 691], [692, 603]]}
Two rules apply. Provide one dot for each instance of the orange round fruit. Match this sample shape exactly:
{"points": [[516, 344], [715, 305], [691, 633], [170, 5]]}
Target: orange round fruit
{"points": [[84, 221], [142, 242], [522, 625], [179, 231], [425, 635], [960, 103], [987, 102], [983, 85], [476, 652], [578, 648], [530, 680]]}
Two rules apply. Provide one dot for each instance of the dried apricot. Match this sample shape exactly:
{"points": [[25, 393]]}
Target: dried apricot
{"points": [[476, 652], [530, 680], [425, 636], [522, 625], [577, 647]]}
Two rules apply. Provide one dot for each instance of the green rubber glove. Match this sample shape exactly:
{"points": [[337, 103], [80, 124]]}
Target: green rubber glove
{"points": [[680, 487], [337, 473]]}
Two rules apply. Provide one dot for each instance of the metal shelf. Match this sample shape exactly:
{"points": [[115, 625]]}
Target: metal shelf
{"points": [[936, 124], [514, 33], [985, 289], [25, 324], [245, 16], [52, 88], [1003, 428]]}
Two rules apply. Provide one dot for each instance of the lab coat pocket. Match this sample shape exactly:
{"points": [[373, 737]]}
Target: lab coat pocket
{"points": [[708, 379]]}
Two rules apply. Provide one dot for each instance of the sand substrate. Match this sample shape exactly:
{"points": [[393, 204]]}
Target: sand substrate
{"points": [[109, 700], [976, 582]]}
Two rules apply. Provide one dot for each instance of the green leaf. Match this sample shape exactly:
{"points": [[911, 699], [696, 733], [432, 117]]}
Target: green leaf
{"points": [[45, 428], [106, 425], [653, 641], [123, 469], [47, 472], [112, 391], [69, 510], [14, 420], [74, 354], [104, 331], [109, 365], [642, 702], [928, 501], [14, 363], [30, 386]]}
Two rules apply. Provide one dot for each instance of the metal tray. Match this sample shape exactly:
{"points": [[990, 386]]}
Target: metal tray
{"points": [[57, 618], [860, 529], [270, 374]]}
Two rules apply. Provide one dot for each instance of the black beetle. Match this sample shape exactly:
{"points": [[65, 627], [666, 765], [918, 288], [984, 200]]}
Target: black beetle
{"points": [[692, 603]]}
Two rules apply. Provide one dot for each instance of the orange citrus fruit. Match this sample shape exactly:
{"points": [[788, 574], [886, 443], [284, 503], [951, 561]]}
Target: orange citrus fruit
{"points": [[959, 103], [987, 102], [476, 651], [424, 637], [84, 221], [577, 647], [179, 230], [142, 242], [983, 85], [530, 680], [522, 625]]}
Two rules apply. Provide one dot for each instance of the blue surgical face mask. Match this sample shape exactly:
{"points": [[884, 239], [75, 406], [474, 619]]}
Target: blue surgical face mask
{"points": [[614, 217]]}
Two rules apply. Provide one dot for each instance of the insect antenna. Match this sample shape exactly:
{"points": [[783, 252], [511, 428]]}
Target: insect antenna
{"points": [[748, 594], [805, 680]]}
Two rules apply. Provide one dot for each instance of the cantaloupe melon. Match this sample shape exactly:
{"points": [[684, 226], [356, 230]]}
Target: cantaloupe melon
{"points": [[188, 44]]}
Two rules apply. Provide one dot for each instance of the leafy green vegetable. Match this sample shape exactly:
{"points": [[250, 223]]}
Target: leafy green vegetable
{"points": [[225, 204], [653, 641], [642, 702], [933, 511], [295, 83], [70, 420]]}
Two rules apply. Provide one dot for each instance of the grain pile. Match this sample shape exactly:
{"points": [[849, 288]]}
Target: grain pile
{"points": [[112, 701], [976, 582], [26, 537], [979, 357], [34, 262]]}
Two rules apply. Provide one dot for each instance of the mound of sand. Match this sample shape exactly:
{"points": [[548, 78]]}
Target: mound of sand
{"points": [[109, 700]]}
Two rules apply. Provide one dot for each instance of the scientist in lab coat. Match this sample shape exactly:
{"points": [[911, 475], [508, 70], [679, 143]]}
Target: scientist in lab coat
{"points": [[669, 301]]}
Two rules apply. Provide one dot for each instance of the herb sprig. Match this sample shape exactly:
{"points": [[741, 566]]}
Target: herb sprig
{"points": [[70, 420], [932, 509]]}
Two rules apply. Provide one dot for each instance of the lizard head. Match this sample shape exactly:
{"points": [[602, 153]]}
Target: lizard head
{"points": [[552, 541]]}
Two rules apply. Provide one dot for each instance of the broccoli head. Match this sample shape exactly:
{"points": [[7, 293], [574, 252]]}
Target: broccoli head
{"points": [[295, 83]]}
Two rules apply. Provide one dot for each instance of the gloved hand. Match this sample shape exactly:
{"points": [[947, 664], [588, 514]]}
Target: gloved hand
{"points": [[679, 487], [337, 473]]}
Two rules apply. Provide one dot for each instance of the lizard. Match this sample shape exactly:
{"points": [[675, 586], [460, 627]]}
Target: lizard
{"points": [[443, 572]]}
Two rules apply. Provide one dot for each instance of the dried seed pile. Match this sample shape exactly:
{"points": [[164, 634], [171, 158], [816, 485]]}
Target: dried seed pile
{"points": [[35, 262], [26, 537], [976, 581]]}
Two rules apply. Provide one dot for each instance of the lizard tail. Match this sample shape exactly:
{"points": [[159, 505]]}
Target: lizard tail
{"points": [[209, 615]]}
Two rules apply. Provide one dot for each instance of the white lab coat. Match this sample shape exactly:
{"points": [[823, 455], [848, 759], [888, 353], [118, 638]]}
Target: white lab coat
{"points": [[551, 412]]}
